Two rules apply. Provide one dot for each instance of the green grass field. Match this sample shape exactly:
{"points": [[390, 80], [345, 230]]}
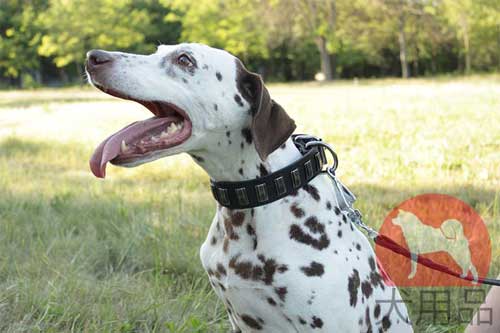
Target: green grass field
{"points": [[121, 255]]}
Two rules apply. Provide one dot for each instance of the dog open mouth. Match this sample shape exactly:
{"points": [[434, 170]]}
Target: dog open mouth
{"points": [[169, 127]]}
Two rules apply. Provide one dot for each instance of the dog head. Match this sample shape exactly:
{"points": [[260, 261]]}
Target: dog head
{"points": [[193, 92], [404, 218]]}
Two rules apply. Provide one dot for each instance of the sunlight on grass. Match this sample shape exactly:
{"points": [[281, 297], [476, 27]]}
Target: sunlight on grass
{"points": [[122, 254]]}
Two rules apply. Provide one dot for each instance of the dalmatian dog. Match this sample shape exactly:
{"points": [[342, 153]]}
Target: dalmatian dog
{"points": [[294, 265]]}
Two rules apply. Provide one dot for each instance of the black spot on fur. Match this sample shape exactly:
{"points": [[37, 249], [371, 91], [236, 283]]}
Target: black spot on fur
{"points": [[352, 286], [238, 100], [271, 301], [247, 134], [371, 262], [216, 107], [339, 234], [297, 211], [251, 271], [376, 311], [358, 247], [366, 288], [184, 80], [281, 292], [229, 228], [250, 230], [312, 190], [262, 170], [368, 320], [214, 240], [228, 134], [386, 323], [251, 322], [219, 76], [302, 321], [205, 66], [316, 322], [283, 146], [312, 224], [337, 210], [240, 171], [221, 269], [328, 205], [314, 269], [297, 233], [237, 218]]}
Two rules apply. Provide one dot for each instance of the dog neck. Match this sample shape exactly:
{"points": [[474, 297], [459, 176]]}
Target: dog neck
{"points": [[233, 157]]}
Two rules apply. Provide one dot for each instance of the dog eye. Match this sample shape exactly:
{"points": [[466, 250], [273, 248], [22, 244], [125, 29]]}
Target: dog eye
{"points": [[184, 60]]}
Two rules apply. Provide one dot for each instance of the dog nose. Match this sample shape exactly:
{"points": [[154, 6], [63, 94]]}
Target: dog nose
{"points": [[98, 58]]}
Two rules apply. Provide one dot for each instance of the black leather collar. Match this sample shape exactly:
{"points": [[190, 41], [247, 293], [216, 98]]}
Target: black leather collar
{"points": [[277, 185]]}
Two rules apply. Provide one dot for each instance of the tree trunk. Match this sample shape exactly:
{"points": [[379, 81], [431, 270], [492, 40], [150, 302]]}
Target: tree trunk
{"points": [[333, 62], [326, 64], [466, 40], [498, 48], [63, 76], [402, 48], [433, 61]]}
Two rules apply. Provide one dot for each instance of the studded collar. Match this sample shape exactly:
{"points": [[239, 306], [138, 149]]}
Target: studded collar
{"points": [[274, 186]]}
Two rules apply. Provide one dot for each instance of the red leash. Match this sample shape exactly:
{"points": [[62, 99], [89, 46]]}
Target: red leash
{"points": [[389, 244]]}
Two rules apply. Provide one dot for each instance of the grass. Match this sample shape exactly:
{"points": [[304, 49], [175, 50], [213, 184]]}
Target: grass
{"points": [[121, 255]]}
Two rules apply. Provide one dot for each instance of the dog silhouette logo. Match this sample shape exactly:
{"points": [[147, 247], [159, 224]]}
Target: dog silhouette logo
{"points": [[441, 228]]}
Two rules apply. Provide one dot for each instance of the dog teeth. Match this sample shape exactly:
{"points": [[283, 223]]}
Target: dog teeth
{"points": [[123, 146], [172, 128]]}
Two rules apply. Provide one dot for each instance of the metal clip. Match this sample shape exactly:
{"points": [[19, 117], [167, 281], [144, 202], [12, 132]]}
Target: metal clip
{"points": [[334, 166]]}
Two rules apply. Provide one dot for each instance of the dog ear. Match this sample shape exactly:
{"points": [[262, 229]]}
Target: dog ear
{"points": [[271, 126]]}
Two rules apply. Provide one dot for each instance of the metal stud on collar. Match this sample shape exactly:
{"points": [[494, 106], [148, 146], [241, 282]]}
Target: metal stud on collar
{"points": [[335, 164]]}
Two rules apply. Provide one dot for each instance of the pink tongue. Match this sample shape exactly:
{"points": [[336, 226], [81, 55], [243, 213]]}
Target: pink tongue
{"points": [[111, 147]]}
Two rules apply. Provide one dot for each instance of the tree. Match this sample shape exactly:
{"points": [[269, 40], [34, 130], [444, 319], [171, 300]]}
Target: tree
{"points": [[230, 24], [459, 13], [73, 27], [476, 24], [320, 18], [19, 38]]}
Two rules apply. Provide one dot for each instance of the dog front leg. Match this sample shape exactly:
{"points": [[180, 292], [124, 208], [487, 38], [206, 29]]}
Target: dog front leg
{"points": [[414, 258]]}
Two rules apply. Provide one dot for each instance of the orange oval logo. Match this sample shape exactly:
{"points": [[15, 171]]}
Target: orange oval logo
{"points": [[441, 228]]}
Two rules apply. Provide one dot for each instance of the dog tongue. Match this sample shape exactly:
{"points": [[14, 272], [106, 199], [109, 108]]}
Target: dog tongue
{"points": [[111, 147]]}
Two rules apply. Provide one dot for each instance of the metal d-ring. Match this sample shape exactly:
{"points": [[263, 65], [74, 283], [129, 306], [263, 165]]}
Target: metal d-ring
{"points": [[331, 169]]}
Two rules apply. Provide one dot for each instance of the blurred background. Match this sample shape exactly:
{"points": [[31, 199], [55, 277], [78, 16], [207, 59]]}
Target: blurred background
{"points": [[43, 42], [407, 91]]}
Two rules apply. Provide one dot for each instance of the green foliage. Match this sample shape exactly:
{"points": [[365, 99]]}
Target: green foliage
{"points": [[231, 24], [74, 27], [19, 37], [282, 39]]}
